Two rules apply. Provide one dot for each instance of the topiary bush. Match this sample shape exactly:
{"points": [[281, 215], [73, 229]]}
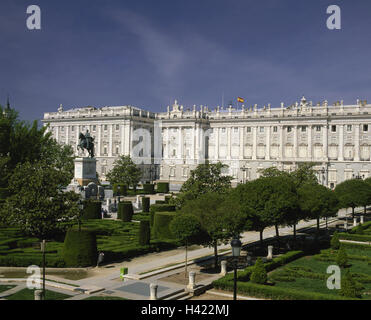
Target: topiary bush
{"points": [[159, 208], [342, 257], [149, 188], [120, 189], [80, 248], [163, 187], [335, 243], [161, 225], [144, 233], [259, 274], [92, 210], [125, 211], [145, 204]]}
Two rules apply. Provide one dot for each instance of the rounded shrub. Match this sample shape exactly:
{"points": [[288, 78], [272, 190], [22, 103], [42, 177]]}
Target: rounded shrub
{"points": [[145, 204], [92, 210], [259, 274], [120, 189], [335, 243], [149, 188], [159, 208], [163, 187], [125, 211], [342, 257], [144, 233], [161, 225], [80, 248]]}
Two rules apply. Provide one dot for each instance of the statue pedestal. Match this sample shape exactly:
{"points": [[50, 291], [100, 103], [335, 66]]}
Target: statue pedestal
{"points": [[85, 171]]}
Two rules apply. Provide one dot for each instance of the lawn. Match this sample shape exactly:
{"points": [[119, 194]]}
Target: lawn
{"points": [[309, 273], [117, 239], [27, 294]]}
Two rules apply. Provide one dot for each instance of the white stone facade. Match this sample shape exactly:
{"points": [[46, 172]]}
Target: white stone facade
{"points": [[337, 138]]}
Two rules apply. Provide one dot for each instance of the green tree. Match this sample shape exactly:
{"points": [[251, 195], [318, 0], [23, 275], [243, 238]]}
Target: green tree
{"points": [[353, 193], [342, 257], [335, 243], [259, 274], [317, 201], [220, 217], [349, 287], [205, 178], [124, 171], [38, 205], [187, 228]]}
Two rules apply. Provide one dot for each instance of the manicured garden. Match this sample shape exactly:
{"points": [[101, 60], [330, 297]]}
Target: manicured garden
{"points": [[27, 294]]}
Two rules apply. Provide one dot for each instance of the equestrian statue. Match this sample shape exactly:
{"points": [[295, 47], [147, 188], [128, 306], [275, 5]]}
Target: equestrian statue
{"points": [[86, 142]]}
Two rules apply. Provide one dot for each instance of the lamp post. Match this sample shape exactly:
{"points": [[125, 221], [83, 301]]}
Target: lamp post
{"points": [[236, 250]]}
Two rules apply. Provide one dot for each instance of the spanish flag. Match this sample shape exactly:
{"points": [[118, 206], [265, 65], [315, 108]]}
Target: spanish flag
{"points": [[240, 100]]}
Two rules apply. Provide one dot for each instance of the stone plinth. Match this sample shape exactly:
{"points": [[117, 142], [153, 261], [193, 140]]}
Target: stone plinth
{"points": [[85, 171]]}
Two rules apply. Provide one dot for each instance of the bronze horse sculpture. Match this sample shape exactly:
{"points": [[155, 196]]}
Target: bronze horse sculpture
{"points": [[86, 142]]}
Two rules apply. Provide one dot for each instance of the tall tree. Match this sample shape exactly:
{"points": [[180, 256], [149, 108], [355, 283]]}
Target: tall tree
{"points": [[353, 193], [205, 178], [187, 228], [317, 201], [124, 171], [220, 217]]}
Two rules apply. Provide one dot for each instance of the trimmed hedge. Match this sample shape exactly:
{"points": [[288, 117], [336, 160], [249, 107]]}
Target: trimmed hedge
{"points": [[161, 225], [149, 188], [163, 187], [355, 237], [120, 189], [25, 261], [167, 199], [92, 210], [125, 211], [160, 202], [159, 208], [362, 227], [145, 204], [80, 248], [144, 233]]}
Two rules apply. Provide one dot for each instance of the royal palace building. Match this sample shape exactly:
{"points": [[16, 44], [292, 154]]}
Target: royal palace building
{"points": [[337, 138]]}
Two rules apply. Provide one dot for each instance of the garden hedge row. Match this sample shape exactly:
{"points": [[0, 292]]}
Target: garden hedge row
{"points": [[80, 248], [360, 228], [25, 261], [161, 225], [125, 211], [144, 233], [159, 208], [145, 204], [120, 189], [92, 210], [149, 188], [355, 237], [163, 187]]}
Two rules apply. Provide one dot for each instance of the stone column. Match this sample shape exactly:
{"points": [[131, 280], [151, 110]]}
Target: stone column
{"points": [[346, 224], [229, 142], [110, 140], [356, 144], [241, 143], [99, 141], [38, 294], [192, 281], [281, 151], [341, 143], [362, 220], [325, 141], [268, 143], [122, 127], [270, 253], [254, 144], [216, 143], [67, 135], [354, 221], [295, 153], [180, 141], [153, 291], [310, 142], [223, 271]]}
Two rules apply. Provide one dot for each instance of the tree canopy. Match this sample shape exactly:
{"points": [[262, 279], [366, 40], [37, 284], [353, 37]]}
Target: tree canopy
{"points": [[124, 171]]}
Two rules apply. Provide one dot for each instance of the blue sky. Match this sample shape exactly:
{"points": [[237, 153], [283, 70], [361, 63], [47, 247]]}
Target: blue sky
{"points": [[147, 53]]}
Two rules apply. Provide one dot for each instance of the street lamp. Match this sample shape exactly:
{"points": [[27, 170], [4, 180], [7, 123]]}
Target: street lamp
{"points": [[236, 250]]}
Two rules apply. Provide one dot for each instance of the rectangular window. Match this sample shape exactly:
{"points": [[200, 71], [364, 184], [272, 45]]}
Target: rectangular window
{"points": [[62, 129], [73, 128], [248, 129], [365, 128], [275, 129], [289, 129], [303, 129], [333, 128], [223, 130], [261, 129], [105, 127], [117, 127], [235, 129], [318, 128], [349, 127]]}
